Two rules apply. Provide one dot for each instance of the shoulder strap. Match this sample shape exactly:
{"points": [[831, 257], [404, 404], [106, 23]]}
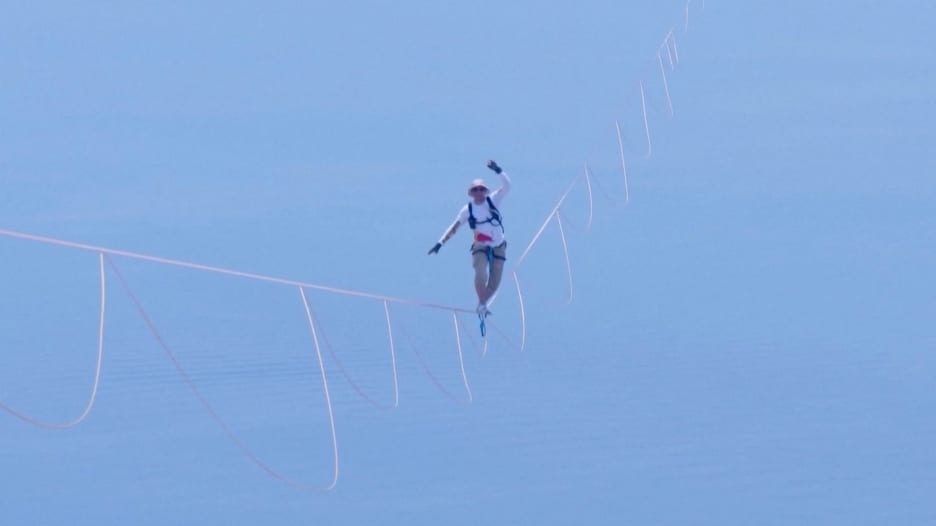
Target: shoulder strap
{"points": [[495, 213]]}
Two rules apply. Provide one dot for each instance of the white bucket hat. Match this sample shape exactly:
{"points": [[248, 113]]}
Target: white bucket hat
{"points": [[476, 183]]}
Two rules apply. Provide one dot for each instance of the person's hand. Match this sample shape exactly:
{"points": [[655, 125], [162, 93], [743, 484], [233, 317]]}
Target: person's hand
{"points": [[493, 166], [434, 249]]}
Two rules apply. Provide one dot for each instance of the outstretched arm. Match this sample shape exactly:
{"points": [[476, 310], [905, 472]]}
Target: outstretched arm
{"points": [[445, 237]]}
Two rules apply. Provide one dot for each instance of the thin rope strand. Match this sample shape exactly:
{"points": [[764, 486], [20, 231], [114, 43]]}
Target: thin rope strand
{"points": [[341, 368], [643, 105], [396, 385], [522, 313], [427, 370], [668, 42], [623, 163], [666, 39], [546, 222], [675, 51], [328, 404], [669, 101], [591, 199], [97, 374], [461, 362], [226, 271], [500, 332], [225, 428], [565, 251]]}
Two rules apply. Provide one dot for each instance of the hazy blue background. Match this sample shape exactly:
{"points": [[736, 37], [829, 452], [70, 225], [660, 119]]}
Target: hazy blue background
{"points": [[751, 340]]}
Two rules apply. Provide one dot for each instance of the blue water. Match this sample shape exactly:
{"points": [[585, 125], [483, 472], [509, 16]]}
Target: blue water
{"points": [[750, 339]]}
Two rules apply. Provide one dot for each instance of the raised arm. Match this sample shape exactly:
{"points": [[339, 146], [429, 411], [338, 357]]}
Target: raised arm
{"points": [[498, 195]]}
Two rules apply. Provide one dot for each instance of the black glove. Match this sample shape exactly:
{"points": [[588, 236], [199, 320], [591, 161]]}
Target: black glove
{"points": [[435, 249], [493, 166]]}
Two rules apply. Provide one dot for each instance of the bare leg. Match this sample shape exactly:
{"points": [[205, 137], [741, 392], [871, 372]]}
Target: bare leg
{"points": [[480, 264], [497, 271], [499, 254]]}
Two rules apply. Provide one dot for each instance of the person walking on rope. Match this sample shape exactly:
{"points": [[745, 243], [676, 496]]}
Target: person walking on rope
{"points": [[488, 246]]}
